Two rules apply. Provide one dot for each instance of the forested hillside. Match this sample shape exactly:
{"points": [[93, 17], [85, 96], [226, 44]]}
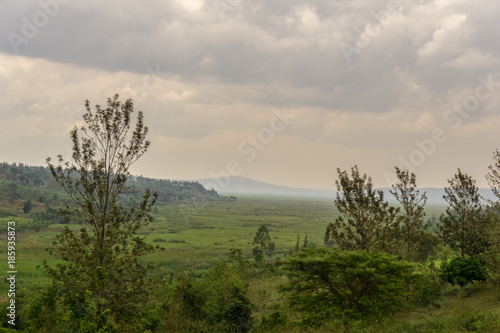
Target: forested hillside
{"points": [[24, 187]]}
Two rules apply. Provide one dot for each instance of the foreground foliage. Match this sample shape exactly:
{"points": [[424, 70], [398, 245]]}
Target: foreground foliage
{"points": [[216, 302], [270, 311], [326, 283]]}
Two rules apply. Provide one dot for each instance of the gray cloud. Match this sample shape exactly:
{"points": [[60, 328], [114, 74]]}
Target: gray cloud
{"points": [[219, 78]]}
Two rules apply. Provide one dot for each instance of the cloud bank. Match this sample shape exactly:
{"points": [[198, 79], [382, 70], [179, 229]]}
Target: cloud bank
{"points": [[369, 84]]}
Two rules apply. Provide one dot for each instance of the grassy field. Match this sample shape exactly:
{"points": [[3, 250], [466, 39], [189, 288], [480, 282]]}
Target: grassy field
{"points": [[196, 235]]}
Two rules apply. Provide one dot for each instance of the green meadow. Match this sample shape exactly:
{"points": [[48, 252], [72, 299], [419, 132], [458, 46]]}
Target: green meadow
{"points": [[196, 235]]}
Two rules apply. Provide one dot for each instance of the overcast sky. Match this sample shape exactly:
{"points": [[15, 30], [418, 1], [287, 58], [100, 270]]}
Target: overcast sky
{"points": [[281, 91]]}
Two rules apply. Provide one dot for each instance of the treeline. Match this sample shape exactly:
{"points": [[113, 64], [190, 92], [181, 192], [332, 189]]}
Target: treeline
{"points": [[377, 258], [21, 182], [172, 190]]}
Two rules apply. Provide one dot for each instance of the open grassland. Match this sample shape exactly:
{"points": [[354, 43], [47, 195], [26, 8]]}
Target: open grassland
{"points": [[201, 234], [195, 235]]}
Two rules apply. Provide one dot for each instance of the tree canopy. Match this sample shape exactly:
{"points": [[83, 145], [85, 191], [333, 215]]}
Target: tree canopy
{"points": [[102, 276], [366, 221], [464, 225], [412, 219]]}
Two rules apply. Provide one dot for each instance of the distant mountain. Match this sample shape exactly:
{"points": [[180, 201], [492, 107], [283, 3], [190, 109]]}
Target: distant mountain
{"points": [[237, 185], [241, 185]]}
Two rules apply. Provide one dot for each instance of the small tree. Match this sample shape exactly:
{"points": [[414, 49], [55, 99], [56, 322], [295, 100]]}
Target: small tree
{"points": [[413, 218], [27, 205], [464, 226], [263, 239], [103, 277], [306, 242], [366, 220], [491, 256]]}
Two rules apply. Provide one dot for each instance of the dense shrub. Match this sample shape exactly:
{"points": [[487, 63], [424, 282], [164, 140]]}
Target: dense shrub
{"points": [[215, 302], [463, 270], [427, 286], [238, 315]]}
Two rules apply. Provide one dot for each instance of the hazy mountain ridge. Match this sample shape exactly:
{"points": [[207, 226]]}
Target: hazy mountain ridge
{"points": [[237, 185], [242, 185]]}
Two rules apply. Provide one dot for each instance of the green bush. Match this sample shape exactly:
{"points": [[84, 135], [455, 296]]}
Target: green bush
{"points": [[238, 315], [463, 270], [427, 287], [275, 318], [215, 302]]}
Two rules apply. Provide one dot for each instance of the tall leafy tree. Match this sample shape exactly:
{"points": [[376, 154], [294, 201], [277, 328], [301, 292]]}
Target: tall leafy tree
{"points": [[366, 220], [464, 225], [102, 276], [413, 215], [492, 254], [493, 177]]}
